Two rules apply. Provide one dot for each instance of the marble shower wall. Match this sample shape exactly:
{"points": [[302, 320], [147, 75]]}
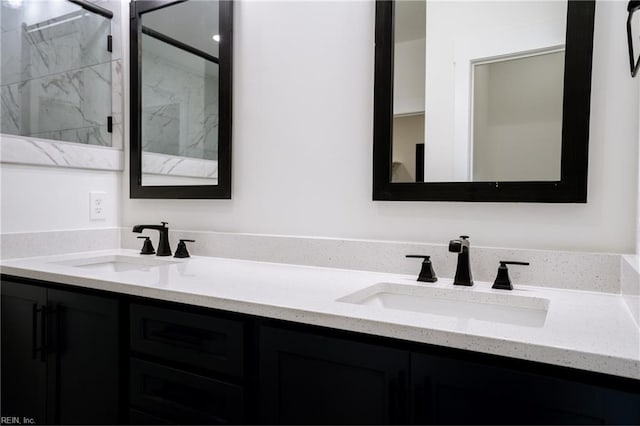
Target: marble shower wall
{"points": [[58, 80], [179, 102]]}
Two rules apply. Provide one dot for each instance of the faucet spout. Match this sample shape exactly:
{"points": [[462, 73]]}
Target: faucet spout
{"points": [[163, 243], [463, 270]]}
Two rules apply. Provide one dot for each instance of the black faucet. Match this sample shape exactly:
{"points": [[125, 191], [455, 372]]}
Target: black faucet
{"points": [[463, 271], [163, 244]]}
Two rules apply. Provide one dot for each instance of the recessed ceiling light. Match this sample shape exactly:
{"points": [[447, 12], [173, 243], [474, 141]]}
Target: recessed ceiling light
{"points": [[216, 37]]}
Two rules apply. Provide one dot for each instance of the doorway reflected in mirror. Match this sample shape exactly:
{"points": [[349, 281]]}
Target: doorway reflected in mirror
{"points": [[480, 84]]}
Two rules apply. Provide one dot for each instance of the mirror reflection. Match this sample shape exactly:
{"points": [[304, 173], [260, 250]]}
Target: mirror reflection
{"points": [[478, 91], [180, 94], [55, 72]]}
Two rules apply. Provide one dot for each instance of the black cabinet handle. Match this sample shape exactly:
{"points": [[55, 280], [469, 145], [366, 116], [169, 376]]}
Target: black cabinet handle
{"points": [[34, 332], [43, 334], [186, 335]]}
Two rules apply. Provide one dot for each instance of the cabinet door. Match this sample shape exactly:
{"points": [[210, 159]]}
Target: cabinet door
{"points": [[85, 336], [195, 340], [24, 370], [315, 379], [448, 391], [183, 397]]}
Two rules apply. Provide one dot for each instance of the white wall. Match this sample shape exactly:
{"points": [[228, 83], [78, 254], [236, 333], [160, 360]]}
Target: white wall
{"points": [[517, 119], [302, 135], [36, 198], [408, 77], [458, 33]]}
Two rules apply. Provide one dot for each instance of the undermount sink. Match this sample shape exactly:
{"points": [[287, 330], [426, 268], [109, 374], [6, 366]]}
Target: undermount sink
{"points": [[116, 263], [462, 304]]}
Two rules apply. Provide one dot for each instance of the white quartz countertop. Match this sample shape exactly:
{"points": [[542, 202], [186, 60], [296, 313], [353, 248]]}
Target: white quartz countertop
{"points": [[585, 330]]}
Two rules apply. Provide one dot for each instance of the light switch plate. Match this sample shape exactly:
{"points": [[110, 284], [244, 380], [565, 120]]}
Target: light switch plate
{"points": [[97, 205]]}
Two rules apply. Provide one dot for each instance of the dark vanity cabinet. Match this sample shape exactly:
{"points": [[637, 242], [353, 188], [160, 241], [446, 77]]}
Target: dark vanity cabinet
{"points": [[308, 378], [329, 377], [24, 366], [60, 355], [454, 391], [94, 357], [185, 367]]}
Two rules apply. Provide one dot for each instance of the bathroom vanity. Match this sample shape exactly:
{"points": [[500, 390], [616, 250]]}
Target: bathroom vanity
{"points": [[115, 337]]}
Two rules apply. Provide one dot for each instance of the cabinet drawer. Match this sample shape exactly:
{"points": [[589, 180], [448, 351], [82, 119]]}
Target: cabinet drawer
{"points": [[197, 340], [183, 397], [139, 418]]}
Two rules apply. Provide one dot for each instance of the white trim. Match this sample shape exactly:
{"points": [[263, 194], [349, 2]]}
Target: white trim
{"points": [[172, 165], [45, 152]]}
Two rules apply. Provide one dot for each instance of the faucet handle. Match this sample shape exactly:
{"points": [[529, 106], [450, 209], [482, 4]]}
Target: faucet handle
{"points": [[182, 251], [147, 247], [426, 273], [503, 282], [164, 224]]}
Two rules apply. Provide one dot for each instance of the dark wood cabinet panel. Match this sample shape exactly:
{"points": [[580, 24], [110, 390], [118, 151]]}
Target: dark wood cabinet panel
{"points": [[196, 340], [182, 364], [65, 359], [86, 353], [448, 391], [313, 379], [24, 368], [183, 397], [60, 355]]}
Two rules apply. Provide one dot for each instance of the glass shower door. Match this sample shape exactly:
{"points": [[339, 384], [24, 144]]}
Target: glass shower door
{"points": [[55, 72]]}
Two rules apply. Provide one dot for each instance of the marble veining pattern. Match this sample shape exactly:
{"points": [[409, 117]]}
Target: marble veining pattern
{"points": [[61, 102], [43, 97], [97, 135], [178, 166], [25, 150], [179, 102], [11, 107], [117, 99]]}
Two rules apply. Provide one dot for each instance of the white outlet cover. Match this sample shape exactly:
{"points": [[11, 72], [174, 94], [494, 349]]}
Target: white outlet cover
{"points": [[97, 205]]}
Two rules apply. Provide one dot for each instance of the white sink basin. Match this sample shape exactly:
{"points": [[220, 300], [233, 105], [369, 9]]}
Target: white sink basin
{"points": [[116, 263], [457, 303]]}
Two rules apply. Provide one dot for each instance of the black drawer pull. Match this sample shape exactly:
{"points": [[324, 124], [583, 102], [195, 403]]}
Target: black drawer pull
{"points": [[187, 335], [198, 340], [34, 332]]}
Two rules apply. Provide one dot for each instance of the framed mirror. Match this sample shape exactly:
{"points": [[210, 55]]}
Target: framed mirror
{"points": [[181, 63], [482, 101]]}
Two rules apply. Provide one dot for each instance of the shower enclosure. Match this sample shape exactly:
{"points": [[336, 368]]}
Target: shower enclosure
{"points": [[55, 73]]}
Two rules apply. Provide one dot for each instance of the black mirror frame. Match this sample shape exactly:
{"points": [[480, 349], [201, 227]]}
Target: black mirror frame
{"points": [[572, 187], [223, 189]]}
